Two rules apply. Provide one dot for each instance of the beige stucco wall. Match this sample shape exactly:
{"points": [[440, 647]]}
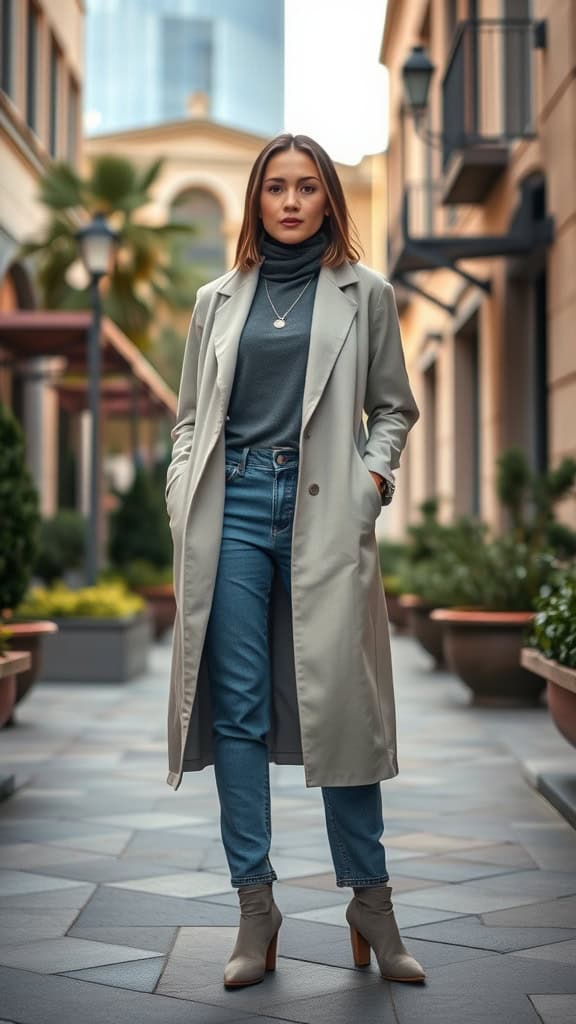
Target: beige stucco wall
{"points": [[553, 153]]}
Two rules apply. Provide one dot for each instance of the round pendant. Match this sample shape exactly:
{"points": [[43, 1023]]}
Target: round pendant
{"points": [[279, 323]]}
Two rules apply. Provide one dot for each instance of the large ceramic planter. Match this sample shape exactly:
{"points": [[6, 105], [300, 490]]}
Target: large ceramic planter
{"points": [[483, 649], [560, 690], [427, 632], [160, 598], [86, 650], [29, 636]]}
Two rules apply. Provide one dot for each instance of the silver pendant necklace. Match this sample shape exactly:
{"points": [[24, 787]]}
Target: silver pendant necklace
{"points": [[281, 319]]}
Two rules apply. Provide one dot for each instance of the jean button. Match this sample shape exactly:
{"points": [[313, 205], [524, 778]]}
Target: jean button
{"points": [[280, 458]]}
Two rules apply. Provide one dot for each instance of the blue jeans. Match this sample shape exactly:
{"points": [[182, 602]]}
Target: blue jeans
{"points": [[256, 537]]}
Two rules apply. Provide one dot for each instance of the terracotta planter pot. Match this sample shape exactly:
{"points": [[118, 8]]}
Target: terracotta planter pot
{"points": [[427, 632], [29, 636], [162, 602], [560, 690], [397, 614], [483, 649]]}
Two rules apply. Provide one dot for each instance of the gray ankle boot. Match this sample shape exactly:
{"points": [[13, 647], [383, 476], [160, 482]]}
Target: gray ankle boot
{"points": [[372, 924], [256, 943]]}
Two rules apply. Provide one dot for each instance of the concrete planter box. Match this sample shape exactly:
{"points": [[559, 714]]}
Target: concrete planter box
{"points": [[560, 693], [422, 627], [97, 650]]}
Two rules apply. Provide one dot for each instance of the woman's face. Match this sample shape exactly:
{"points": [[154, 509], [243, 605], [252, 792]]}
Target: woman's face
{"points": [[293, 200]]}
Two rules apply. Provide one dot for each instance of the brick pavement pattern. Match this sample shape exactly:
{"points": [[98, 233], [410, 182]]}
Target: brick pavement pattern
{"points": [[115, 903]]}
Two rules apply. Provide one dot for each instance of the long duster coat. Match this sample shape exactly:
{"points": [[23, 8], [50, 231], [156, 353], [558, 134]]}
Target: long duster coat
{"points": [[332, 689]]}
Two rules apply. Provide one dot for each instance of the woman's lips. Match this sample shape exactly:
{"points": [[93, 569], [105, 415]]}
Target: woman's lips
{"points": [[290, 222]]}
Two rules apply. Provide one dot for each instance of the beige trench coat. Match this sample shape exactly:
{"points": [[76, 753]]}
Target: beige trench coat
{"points": [[332, 689]]}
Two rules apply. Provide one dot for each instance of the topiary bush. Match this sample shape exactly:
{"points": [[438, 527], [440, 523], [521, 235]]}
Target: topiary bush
{"points": [[19, 514], [62, 545], [139, 527]]}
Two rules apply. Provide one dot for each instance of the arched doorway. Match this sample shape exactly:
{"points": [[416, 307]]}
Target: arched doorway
{"points": [[204, 252]]}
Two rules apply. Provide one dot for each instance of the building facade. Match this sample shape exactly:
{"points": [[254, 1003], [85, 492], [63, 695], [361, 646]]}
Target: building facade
{"points": [[41, 75], [482, 242], [145, 59]]}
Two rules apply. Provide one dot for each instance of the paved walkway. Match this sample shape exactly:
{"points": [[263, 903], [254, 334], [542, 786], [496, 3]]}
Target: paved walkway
{"points": [[114, 897]]}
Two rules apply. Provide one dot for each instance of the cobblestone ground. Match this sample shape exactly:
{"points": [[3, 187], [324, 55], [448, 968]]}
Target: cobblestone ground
{"points": [[115, 904]]}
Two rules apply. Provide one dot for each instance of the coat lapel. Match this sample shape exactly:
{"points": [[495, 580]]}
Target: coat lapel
{"points": [[333, 313]]}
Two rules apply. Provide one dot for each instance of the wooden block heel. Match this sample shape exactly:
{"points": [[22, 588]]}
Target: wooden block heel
{"points": [[271, 954], [360, 948]]}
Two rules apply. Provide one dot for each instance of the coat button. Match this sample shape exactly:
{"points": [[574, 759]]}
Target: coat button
{"points": [[313, 489]]}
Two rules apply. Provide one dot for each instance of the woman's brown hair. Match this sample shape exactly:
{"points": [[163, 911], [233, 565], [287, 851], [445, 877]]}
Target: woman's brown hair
{"points": [[343, 237]]}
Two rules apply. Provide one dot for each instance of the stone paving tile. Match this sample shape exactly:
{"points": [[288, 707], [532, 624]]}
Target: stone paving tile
{"points": [[159, 940], [107, 869], [555, 1009], [478, 933], [51, 956], [491, 989], [141, 976], [557, 913], [185, 885], [73, 898], [505, 854], [19, 926], [35, 999], [14, 883], [109, 844], [559, 952], [467, 899], [30, 856], [446, 869], [122, 908]]}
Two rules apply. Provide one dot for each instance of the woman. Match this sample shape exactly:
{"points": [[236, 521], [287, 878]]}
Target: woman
{"points": [[281, 649]]}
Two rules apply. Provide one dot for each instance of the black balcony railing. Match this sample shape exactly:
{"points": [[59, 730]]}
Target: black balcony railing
{"points": [[488, 86]]}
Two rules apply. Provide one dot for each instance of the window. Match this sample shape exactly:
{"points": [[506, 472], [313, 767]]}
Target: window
{"points": [[205, 251], [53, 108], [72, 135], [187, 59], [31, 67], [6, 13]]}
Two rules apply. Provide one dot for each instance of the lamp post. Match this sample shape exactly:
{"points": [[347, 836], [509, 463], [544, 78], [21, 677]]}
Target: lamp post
{"points": [[96, 242]]}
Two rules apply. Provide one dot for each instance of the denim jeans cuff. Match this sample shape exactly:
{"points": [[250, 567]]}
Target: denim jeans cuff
{"points": [[270, 876], [361, 883]]}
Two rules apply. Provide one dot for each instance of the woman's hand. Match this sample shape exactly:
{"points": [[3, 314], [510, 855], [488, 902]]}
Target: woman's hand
{"points": [[377, 480]]}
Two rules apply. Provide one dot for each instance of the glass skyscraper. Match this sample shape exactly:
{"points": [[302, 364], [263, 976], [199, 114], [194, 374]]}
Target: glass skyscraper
{"points": [[145, 58]]}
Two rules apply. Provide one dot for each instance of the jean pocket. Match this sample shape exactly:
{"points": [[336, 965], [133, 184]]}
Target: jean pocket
{"points": [[231, 471]]}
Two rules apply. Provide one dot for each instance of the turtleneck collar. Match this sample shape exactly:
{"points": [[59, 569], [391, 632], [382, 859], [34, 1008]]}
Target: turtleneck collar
{"points": [[292, 262]]}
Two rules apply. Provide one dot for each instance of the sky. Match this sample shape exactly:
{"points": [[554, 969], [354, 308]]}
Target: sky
{"points": [[335, 88]]}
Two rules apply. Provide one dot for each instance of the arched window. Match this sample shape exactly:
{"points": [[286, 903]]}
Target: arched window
{"points": [[205, 250]]}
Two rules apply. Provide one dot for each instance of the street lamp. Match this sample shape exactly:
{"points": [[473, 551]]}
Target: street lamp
{"points": [[96, 242], [417, 72]]}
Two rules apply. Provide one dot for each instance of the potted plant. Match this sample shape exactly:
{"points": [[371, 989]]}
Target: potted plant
{"points": [[103, 632], [140, 545], [551, 650], [19, 542], [497, 582], [155, 586]]}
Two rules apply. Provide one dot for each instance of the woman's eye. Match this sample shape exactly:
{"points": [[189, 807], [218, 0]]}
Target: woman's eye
{"points": [[310, 189]]}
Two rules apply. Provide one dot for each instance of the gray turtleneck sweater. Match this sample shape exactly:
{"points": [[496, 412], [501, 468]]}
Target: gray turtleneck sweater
{"points": [[265, 408]]}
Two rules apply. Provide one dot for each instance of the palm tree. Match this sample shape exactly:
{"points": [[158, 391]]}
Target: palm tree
{"points": [[146, 271]]}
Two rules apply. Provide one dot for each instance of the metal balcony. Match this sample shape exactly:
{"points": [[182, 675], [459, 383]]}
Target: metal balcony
{"points": [[487, 102]]}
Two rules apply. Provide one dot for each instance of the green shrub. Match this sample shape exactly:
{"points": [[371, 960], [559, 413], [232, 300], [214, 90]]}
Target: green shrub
{"points": [[554, 628], [105, 600], [139, 527], [390, 554], [62, 545], [140, 573], [19, 514]]}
